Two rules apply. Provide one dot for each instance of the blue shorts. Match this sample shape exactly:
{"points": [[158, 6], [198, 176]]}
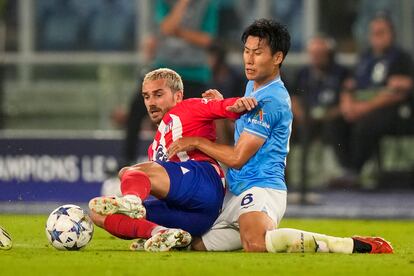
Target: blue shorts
{"points": [[194, 200]]}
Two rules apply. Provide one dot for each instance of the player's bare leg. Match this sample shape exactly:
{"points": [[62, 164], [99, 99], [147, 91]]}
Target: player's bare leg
{"points": [[97, 219], [253, 228], [198, 245], [136, 184]]}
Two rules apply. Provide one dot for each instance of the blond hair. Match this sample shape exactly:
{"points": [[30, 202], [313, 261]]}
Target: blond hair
{"points": [[174, 81]]}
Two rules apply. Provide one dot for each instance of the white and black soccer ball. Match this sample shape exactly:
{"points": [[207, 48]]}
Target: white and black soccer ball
{"points": [[69, 227], [5, 239]]}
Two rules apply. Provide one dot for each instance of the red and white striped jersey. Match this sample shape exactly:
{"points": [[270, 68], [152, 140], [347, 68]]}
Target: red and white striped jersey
{"points": [[191, 117]]}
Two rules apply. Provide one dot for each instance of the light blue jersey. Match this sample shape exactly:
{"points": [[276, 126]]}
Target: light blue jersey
{"points": [[272, 121]]}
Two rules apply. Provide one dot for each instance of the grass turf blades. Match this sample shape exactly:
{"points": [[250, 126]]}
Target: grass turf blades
{"points": [[32, 255]]}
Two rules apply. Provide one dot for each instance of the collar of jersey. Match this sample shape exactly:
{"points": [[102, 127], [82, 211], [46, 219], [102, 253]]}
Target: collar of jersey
{"points": [[267, 85]]}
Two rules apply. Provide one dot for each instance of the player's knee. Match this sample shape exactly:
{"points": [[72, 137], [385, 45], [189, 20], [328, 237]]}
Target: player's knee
{"points": [[130, 171], [253, 244], [122, 171], [149, 168]]}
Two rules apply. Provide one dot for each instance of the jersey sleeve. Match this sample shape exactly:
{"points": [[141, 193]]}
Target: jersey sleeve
{"points": [[262, 119], [214, 109]]}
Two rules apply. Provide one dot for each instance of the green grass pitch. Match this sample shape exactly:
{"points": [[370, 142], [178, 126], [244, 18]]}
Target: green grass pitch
{"points": [[32, 255]]}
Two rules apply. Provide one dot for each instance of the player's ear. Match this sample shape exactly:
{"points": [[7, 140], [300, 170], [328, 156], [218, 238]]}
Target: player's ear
{"points": [[277, 58], [178, 96]]}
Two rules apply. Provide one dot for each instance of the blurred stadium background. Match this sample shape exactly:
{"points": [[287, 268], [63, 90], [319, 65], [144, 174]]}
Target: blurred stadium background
{"points": [[68, 68]]}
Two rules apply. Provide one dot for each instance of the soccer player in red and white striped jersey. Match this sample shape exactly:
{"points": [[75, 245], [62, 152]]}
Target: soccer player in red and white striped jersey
{"points": [[188, 186]]}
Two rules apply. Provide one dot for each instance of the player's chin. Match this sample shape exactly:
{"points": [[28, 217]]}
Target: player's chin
{"points": [[155, 119], [249, 75]]}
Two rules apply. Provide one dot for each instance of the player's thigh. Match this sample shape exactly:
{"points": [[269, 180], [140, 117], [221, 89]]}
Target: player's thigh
{"points": [[260, 209], [194, 186], [253, 227], [269, 201], [224, 235], [158, 176]]}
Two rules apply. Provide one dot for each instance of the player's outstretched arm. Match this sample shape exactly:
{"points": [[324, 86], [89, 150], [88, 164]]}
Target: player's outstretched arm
{"points": [[242, 105], [234, 157], [212, 94]]}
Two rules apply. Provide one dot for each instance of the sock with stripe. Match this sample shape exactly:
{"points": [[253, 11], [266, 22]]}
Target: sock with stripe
{"points": [[292, 240]]}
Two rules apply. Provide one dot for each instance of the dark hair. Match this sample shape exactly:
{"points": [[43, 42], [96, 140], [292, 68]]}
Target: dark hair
{"points": [[276, 34]]}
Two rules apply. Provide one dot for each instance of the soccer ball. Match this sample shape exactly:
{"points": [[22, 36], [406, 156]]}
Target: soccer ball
{"points": [[5, 240], [68, 227]]}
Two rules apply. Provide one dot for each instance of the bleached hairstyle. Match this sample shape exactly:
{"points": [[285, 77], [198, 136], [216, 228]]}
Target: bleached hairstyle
{"points": [[174, 81]]}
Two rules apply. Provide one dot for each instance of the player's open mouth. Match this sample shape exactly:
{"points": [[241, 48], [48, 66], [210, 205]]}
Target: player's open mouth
{"points": [[153, 112]]}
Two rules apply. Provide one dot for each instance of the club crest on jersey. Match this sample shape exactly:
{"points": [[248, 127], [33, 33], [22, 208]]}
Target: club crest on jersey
{"points": [[259, 115], [168, 126]]}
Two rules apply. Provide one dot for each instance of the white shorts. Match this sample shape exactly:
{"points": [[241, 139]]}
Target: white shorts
{"points": [[224, 234]]}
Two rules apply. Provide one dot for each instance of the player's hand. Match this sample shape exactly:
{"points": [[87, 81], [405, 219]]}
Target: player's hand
{"points": [[212, 94], [182, 144], [242, 105]]}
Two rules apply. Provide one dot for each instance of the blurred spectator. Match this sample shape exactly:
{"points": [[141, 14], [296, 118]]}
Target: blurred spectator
{"points": [[229, 81], [315, 97], [2, 115], [3, 7], [367, 9], [373, 100], [290, 12], [137, 113], [185, 30], [230, 23], [225, 78], [111, 25], [61, 25]]}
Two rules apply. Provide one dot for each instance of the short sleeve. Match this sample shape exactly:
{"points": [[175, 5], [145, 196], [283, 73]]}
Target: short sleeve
{"points": [[211, 109], [262, 120]]}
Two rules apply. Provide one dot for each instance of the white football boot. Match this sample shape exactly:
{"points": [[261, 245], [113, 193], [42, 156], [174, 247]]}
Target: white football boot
{"points": [[138, 244], [164, 240], [108, 205]]}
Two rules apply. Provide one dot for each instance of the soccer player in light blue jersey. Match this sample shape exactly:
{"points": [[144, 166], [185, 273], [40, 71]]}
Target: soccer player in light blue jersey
{"points": [[256, 201]]}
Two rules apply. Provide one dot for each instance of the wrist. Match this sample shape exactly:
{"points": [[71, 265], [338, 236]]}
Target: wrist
{"points": [[196, 142]]}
